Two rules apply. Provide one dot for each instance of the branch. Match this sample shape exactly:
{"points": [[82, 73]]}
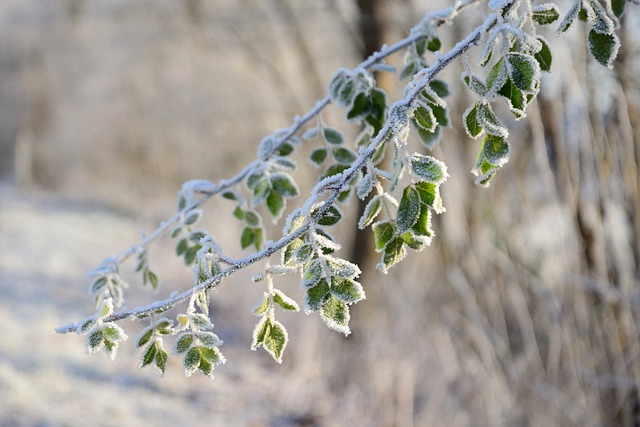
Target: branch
{"points": [[437, 18], [394, 122]]}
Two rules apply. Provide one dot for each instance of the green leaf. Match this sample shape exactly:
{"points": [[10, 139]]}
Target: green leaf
{"points": [[342, 268], [416, 243], [276, 341], [376, 115], [289, 250], [371, 211], [543, 56], [181, 247], [516, 99], [430, 196], [149, 355], [153, 279], [192, 361], [604, 47], [330, 217], [161, 360], [439, 87], [476, 85], [95, 340], [332, 136], [259, 240], [434, 44], [262, 307], [318, 156], [394, 252], [523, 70], [383, 232], [347, 290], [336, 83], [430, 139], [344, 155], [183, 343], [489, 121], [209, 339], [275, 203], [545, 14], [408, 210], [211, 355], [260, 331], [284, 301], [470, 121], [569, 17], [408, 70], [617, 7], [335, 314], [192, 217], [424, 118], [230, 195], [284, 149], [365, 186], [428, 168], [190, 255], [362, 106], [347, 93], [495, 150], [252, 218], [316, 296], [303, 253], [497, 75], [284, 185], [312, 274], [441, 114], [144, 338]]}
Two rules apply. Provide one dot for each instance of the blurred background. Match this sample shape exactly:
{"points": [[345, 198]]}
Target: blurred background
{"points": [[524, 312]]}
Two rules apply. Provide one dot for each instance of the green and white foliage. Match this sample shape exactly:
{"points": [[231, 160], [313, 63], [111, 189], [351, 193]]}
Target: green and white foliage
{"points": [[402, 194]]}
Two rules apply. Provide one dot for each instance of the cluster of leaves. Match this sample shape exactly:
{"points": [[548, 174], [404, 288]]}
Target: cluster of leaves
{"points": [[515, 56]]}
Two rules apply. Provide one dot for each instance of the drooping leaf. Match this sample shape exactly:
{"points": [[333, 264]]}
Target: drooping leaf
{"points": [[191, 361], [149, 355], [332, 136], [365, 186], [440, 87], [516, 99], [470, 121], [362, 105], [495, 150], [183, 343], [371, 211], [316, 296], [347, 290], [543, 56], [262, 308], [344, 155], [424, 118], [284, 185], [497, 76], [523, 70], [259, 332], [383, 232], [428, 168], [275, 204], [545, 14], [335, 314], [275, 341], [318, 156], [284, 301], [430, 139], [489, 121], [604, 47], [408, 210], [571, 15], [393, 253]]}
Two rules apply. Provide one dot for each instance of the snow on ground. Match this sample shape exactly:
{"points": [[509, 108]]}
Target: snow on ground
{"points": [[46, 379]]}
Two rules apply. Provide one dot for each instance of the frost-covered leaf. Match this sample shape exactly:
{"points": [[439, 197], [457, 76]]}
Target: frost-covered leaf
{"points": [[475, 84], [208, 339], [289, 251], [183, 343], [335, 314], [144, 337], [284, 301], [498, 5], [95, 341], [543, 56], [601, 22], [149, 355], [252, 218], [617, 7], [415, 242], [342, 268], [408, 210], [424, 118], [284, 185], [571, 15], [440, 87], [441, 114], [191, 361], [262, 307], [428, 168], [470, 121], [343, 155], [524, 71], [434, 44], [192, 217], [330, 217], [275, 204], [496, 150], [312, 274], [335, 85], [604, 47], [303, 253], [316, 296], [430, 139], [545, 14], [86, 324], [497, 76], [259, 332], [275, 341], [489, 121], [284, 149], [376, 115], [393, 253], [383, 232], [347, 290], [430, 196], [318, 156], [371, 211], [365, 186], [516, 99], [409, 69], [347, 93], [161, 360], [333, 136], [361, 107], [422, 227]]}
